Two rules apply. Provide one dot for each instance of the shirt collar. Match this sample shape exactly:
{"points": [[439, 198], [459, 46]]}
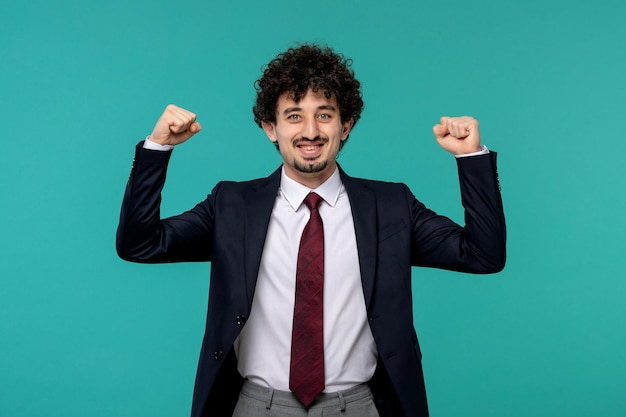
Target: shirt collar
{"points": [[295, 193]]}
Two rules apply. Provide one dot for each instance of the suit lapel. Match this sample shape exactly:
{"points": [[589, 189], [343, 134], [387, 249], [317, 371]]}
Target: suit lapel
{"points": [[363, 204], [259, 204], [260, 201]]}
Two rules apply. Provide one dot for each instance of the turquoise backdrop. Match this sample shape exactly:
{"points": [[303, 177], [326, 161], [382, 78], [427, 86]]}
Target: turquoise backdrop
{"points": [[83, 333]]}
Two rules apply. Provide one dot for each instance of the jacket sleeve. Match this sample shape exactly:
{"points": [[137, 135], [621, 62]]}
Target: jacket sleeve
{"points": [[479, 246], [142, 236]]}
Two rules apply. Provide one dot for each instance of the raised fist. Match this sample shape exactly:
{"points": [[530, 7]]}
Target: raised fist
{"points": [[176, 125]]}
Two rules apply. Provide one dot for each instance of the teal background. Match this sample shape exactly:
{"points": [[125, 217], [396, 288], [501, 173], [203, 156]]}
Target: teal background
{"points": [[84, 333]]}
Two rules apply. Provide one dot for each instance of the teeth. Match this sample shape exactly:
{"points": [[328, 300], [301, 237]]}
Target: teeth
{"points": [[309, 148]]}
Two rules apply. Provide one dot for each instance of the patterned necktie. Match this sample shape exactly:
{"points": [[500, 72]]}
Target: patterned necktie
{"points": [[306, 377]]}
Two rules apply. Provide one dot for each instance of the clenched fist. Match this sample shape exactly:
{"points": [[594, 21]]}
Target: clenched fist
{"points": [[175, 126], [458, 135]]}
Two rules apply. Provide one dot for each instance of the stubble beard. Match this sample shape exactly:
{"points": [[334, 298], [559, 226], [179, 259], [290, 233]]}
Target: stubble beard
{"points": [[311, 167]]}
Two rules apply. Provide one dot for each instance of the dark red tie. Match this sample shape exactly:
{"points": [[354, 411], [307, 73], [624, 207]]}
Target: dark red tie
{"points": [[306, 374]]}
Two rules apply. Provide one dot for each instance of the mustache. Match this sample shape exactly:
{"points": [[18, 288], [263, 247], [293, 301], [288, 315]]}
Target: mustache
{"points": [[298, 141]]}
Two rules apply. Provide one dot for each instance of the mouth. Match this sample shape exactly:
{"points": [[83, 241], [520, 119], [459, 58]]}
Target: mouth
{"points": [[310, 149]]}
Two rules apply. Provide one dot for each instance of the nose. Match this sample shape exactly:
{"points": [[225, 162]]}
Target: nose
{"points": [[310, 130]]}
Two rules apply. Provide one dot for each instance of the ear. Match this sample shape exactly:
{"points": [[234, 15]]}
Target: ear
{"points": [[347, 127], [270, 130]]}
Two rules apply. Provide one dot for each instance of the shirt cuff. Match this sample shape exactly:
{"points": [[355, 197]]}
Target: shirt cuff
{"points": [[483, 151], [148, 144]]}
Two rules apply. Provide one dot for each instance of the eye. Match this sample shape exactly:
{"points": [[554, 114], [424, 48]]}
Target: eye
{"points": [[325, 116], [293, 117]]}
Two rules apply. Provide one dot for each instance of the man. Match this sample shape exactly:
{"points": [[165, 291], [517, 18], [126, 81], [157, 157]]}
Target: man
{"points": [[348, 346]]}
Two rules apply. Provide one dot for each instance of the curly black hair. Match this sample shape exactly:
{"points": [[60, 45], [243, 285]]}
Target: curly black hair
{"points": [[307, 67]]}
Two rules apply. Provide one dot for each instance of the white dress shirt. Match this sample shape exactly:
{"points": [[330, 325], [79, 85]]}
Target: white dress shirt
{"points": [[264, 346]]}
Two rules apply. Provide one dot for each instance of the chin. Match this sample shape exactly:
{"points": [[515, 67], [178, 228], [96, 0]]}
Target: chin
{"points": [[310, 167]]}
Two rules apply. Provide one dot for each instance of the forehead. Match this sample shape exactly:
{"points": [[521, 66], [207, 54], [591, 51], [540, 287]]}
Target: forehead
{"points": [[311, 99]]}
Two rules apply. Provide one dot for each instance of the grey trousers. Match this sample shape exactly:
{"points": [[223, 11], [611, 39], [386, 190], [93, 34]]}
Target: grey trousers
{"points": [[257, 401]]}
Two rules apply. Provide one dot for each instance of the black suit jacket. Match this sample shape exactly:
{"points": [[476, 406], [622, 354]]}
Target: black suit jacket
{"points": [[394, 231]]}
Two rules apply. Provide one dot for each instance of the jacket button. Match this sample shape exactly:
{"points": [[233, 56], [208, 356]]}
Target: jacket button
{"points": [[218, 355], [241, 320]]}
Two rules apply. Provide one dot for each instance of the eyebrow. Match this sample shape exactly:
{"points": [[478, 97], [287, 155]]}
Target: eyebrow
{"points": [[297, 109]]}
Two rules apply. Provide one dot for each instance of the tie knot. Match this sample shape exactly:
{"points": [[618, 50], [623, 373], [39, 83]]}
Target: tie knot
{"points": [[312, 201]]}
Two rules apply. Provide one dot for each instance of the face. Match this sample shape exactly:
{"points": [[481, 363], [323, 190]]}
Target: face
{"points": [[308, 134]]}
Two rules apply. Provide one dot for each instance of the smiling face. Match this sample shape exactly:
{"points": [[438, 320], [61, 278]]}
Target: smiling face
{"points": [[309, 134]]}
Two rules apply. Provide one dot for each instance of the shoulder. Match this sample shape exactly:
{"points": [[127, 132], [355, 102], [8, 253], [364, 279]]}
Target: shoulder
{"points": [[388, 198], [259, 192], [376, 186], [272, 181]]}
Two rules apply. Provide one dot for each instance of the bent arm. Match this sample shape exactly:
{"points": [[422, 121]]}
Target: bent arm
{"points": [[480, 246], [142, 236]]}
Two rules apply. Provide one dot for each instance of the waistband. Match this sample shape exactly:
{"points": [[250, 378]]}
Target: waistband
{"points": [[286, 398]]}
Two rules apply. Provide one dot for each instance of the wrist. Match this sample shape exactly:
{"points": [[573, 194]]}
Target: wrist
{"points": [[155, 146], [482, 150]]}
